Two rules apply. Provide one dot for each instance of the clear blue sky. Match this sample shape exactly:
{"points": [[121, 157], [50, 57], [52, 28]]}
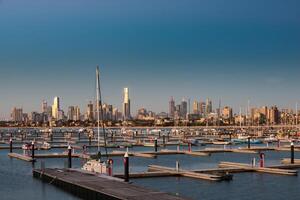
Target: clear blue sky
{"points": [[229, 49]]}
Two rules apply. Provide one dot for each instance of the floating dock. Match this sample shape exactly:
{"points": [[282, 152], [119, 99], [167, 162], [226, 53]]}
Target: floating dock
{"points": [[271, 170], [92, 187]]}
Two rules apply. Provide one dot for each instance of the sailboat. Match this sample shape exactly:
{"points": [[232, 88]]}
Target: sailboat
{"points": [[97, 165]]}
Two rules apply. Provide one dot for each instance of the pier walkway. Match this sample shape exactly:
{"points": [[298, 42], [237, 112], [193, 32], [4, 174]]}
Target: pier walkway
{"points": [[92, 187]]}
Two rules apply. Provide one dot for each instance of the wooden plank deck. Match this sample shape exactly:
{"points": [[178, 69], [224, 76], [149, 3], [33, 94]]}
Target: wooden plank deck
{"points": [[270, 170], [187, 173], [90, 186], [20, 157]]}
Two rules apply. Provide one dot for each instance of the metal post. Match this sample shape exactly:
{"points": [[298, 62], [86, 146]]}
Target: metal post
{"points": [[292, 153], [155, 145], [126, 167], [69, 156]]}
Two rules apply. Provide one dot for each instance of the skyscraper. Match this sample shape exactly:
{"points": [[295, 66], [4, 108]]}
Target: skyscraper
{"points": [[77, 113], [171, 108], [208, 106], [90, 111], [196, 107], [17, 114], [183, 108], [126, 104], [56, 108], [71, 113], [44, 106]]}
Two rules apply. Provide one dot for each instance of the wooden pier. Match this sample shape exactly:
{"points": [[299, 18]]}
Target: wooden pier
{"points": [[92, 187], [271, 170], [187, 173], [20, 157]]}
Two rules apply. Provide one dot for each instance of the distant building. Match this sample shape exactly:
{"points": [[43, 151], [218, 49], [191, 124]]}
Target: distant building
{"points": [[172, 108], [183, 108], [202, 108], [196, 108], [56, 108], [17, 115], [44, 106], [77, 114], [126, 104], [273, 115], [227, 112], [71, 113], [208, 106], [90, 112]]}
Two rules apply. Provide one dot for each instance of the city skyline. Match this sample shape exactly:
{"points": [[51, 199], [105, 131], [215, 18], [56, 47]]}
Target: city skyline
{"points": [[214, 50]]}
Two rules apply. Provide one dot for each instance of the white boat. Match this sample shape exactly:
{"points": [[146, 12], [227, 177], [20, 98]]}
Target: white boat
{"points": [[221, 142], [149, 144], [46, 146], [96, 166]]}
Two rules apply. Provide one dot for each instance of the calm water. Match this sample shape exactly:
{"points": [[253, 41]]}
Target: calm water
{"points": [[16, 180]]}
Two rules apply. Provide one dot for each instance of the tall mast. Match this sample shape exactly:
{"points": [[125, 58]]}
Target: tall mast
{"points": [[97, 104], [100, 108]]}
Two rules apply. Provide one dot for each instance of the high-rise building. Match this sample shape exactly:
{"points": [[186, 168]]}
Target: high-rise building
{"points": [[90, 111], [77, 114], [183, 108], [71, 113], [56, 108], [227, 112], [44, 106], [171, 108], [17, 114], [202, 107], [273, 115], [208, 106], [196, 107], [126, 105]]}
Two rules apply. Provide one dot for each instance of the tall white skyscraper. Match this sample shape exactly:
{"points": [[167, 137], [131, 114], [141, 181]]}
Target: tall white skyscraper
{"points": [[55, 108], [126, 104]]}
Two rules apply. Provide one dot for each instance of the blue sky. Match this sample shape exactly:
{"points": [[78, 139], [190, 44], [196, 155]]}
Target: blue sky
{"points": [[230, 49]]}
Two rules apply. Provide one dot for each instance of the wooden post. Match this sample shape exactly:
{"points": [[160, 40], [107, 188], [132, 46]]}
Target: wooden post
{"points": [[292, 153], [126, 167], [90, 140], [164, 140], [69, 156]]}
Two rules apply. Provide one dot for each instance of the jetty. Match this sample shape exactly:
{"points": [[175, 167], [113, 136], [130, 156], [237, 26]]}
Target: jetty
{"points": [[272, 170], [93, 187]]}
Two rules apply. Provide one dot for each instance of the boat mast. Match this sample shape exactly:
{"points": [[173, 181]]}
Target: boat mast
{"points": [[97, 104], [100, 107]]}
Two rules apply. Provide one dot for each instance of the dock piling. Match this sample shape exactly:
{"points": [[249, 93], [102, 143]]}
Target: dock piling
{"points": [[90, 140], [126, 167], [262, 159], [32, 150], [292, 153], [155, 145], [10, 145], [69, 156], [249, 142], [164, 140]]}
